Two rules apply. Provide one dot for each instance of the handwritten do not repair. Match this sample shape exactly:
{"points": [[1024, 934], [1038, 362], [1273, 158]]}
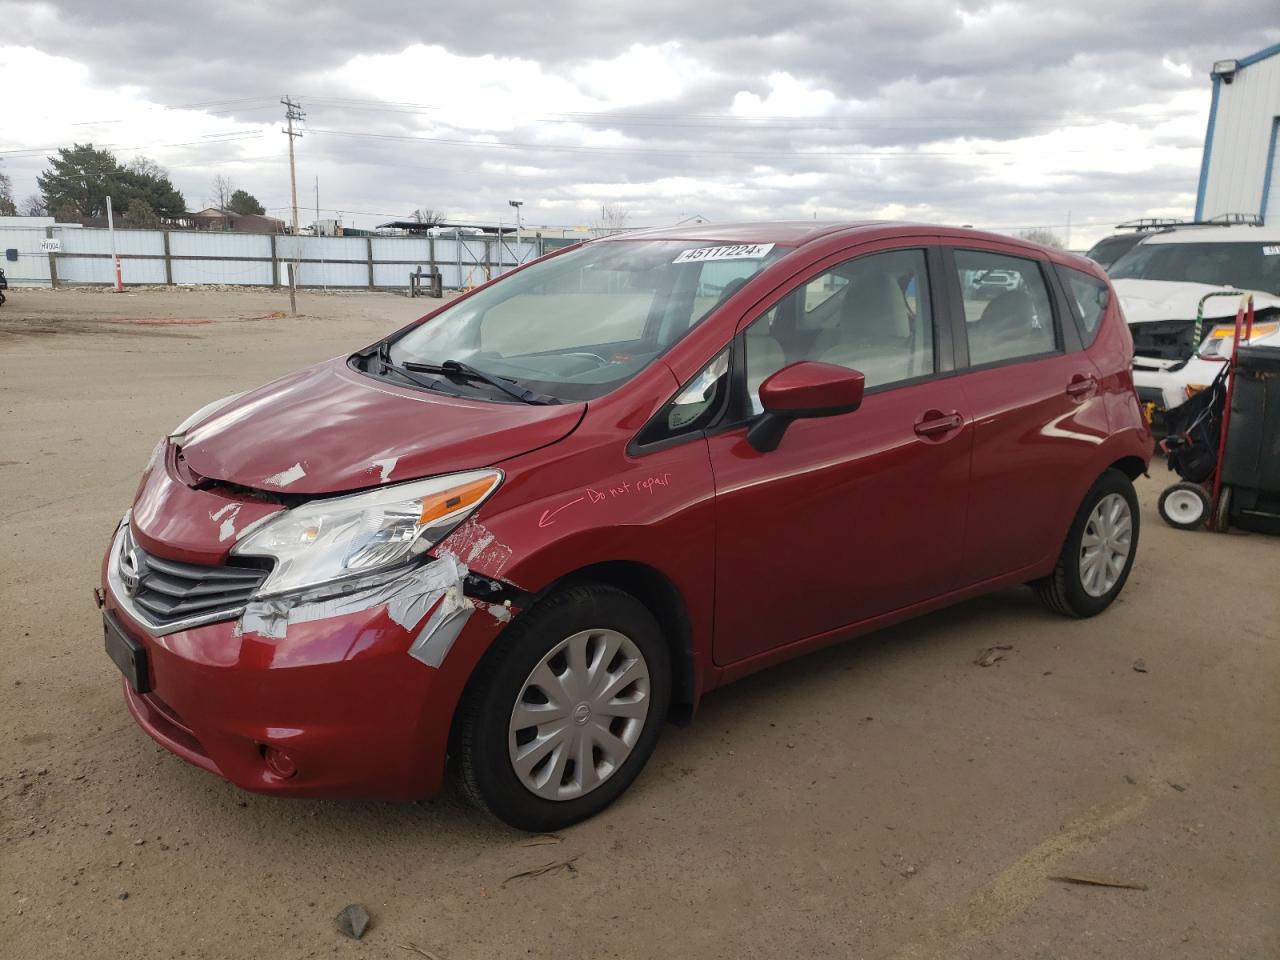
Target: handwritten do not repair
{"points": [[650, 484], [647, 485]]}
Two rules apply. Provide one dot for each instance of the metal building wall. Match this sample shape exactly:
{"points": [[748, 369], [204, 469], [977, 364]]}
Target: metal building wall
{"points": [[1240, 142]]}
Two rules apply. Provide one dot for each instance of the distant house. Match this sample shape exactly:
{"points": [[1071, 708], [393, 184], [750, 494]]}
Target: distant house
{"points": [[216, 218], [416, 227]]}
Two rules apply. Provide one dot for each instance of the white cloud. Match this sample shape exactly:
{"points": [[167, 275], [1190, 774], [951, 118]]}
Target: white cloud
{"points": [[787, 97]]}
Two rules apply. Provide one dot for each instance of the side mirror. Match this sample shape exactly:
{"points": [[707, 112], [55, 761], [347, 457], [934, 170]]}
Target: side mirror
{"points": [[802, 390]]}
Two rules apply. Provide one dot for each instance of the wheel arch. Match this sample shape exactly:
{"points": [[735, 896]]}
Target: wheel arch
{"points": [[663, 599], [1131, 466]]}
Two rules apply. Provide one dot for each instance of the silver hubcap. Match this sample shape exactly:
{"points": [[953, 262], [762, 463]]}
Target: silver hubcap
{"points": [[1184, 506], [1105, 547], [579, 714]]}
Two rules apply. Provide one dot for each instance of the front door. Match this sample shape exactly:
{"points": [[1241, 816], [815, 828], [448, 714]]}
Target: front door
{"points": [[853, 515]]}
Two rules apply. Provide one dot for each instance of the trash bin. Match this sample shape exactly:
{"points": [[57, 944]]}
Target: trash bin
{"points": [[1251, 460]]}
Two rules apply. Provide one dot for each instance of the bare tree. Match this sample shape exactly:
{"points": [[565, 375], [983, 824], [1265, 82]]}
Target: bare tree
{"points": [[34, 206], [1042, 236], [613, 219], [427, 216], [7, 209], [146, 167], [223, 188]]}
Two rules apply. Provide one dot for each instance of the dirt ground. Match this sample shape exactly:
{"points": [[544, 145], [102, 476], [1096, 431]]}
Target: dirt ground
{"points": [[884, 799]]}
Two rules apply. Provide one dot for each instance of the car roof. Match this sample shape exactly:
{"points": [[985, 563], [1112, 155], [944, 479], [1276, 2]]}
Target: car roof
{"points": [[797, 233], [789, 232], [1211, 233]]}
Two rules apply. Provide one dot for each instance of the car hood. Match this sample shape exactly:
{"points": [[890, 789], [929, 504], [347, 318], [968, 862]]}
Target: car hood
{"points": [[329, 429], [1146, 300]]}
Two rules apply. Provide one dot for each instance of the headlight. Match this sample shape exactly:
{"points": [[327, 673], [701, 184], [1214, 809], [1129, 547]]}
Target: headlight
{"points": [[330, 540], [204, 413]]}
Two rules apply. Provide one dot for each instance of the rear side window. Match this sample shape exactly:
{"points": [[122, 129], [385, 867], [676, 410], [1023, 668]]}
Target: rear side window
{"points": [[1006, 307], [1089, 297]]}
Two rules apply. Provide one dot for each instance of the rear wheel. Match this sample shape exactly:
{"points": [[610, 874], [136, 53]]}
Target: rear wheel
{"points": [[567, 709], [1223, 519], [1098, 553], [1184, 505]]}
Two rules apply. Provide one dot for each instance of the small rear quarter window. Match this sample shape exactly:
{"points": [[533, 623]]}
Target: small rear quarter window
{"points": [[1089, 297]]}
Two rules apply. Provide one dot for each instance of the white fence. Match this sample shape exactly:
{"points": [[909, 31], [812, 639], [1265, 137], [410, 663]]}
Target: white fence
{"points": [[57, 256]]}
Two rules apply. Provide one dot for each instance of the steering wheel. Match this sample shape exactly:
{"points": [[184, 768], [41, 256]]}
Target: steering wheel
{"points": [[587, 353]]}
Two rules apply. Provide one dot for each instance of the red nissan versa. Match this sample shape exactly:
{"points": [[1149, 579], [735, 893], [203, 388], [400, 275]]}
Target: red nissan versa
{"points": [[529, 528]]}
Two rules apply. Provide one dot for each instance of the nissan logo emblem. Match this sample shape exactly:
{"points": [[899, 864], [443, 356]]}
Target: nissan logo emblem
{"points": [[130, 571]]}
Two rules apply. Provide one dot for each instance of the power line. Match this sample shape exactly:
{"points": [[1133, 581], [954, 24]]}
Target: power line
{"points": [[688, 152]]}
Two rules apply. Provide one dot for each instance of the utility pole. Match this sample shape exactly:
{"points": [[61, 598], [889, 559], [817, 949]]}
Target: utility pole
{"points": [[115, 259], [317, 205], [292, 112]]}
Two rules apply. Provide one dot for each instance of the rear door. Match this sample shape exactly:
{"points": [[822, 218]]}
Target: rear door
{"points": [[1034, 397], [852, 515]]}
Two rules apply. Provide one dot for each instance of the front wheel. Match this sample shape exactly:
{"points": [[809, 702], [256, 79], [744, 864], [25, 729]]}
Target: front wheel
{"points": [[1099, 550], [565, 710]]}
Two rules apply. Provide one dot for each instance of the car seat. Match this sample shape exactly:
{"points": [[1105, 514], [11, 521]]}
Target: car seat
{"points": [[874, 332]]}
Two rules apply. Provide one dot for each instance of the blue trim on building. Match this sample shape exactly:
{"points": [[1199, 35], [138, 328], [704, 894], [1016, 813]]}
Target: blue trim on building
{"points": [[1253, 58], [1266, 177], [1208, 149]]}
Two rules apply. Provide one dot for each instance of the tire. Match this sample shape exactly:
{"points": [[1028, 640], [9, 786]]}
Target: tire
{"points": [[529, 671], [1222, 522], [1070, 590], [1185, 506]]}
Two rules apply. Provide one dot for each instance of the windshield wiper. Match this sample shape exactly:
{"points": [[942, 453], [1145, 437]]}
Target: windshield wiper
{"points": [[457, 368], [383, 356]]}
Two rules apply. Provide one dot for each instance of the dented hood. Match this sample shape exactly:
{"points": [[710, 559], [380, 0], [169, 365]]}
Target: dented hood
{"points": [[329, 429], [1147, 300]]}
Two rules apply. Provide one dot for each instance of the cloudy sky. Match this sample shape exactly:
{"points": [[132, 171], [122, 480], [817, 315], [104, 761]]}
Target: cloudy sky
{"points": [[1007, 115]]}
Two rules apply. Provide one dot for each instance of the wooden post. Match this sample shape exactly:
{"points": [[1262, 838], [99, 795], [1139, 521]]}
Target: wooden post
{"points": [[53, 261], [368, 246], [275, 265], [168, 263]]}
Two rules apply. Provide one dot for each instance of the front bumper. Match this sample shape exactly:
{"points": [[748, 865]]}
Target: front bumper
{"points": [[1168, 388], [353, 711]]}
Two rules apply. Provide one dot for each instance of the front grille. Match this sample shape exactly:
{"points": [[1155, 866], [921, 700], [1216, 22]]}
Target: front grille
{"points": [[167, 591], [1167, 339], [1151, 395]]}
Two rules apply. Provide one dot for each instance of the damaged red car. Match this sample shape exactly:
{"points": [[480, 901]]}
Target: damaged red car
{"points": [[524, 532]]}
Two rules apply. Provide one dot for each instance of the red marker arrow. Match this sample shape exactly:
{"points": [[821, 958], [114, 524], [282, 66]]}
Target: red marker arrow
{"points": [[549, 515]]}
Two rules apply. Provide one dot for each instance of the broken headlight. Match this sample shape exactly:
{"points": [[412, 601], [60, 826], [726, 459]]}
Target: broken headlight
{"points": [[326, 541]]}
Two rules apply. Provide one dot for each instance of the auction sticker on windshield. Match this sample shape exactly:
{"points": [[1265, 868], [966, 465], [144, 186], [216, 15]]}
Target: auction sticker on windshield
{"points": [[737, 251]]}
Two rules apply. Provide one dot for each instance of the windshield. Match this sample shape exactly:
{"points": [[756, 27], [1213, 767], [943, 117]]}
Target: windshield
{"points": [[1245, 266], [1109, 249], [578, 325]]}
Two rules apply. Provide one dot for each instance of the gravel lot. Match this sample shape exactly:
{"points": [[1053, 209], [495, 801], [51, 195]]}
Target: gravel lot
{"points": [[885, 799]]}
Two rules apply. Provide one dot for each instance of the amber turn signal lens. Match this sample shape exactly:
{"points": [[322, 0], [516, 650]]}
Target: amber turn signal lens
{"points": [[464, 495]]}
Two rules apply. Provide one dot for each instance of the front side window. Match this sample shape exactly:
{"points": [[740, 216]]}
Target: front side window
{"points": [[1244, 266], [871, 314], [1006, 307], [579, 325]]}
